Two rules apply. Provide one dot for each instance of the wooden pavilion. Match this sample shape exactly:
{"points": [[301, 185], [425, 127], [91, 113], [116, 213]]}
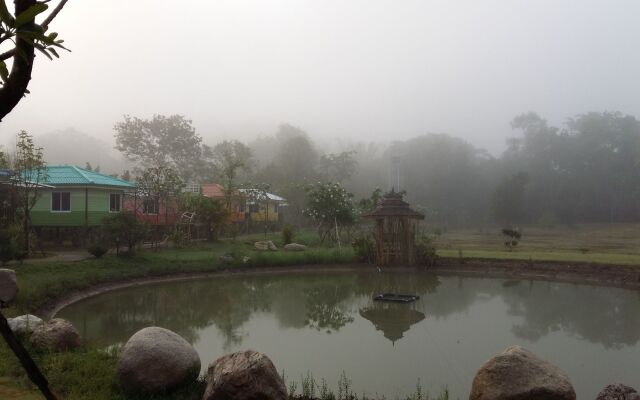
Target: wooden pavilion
{"points": [[394, 231]]}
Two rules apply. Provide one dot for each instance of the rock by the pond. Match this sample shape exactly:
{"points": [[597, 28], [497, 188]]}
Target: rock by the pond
{"points": [[8, 285], [265, 245], [295, 247], [618, 391], [56, 335], [517, 373], [228, 258], [245, 375], [156, 360], [25, 324]]}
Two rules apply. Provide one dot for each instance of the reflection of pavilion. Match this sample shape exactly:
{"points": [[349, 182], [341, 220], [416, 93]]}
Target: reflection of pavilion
{"points": [[392, 319]]}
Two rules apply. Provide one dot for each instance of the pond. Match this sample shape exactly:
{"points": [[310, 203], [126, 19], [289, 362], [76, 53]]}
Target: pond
{"points": [[326, 323]]}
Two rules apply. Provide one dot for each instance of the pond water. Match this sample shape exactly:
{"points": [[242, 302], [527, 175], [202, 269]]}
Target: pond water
{"points": [[326, 323]]}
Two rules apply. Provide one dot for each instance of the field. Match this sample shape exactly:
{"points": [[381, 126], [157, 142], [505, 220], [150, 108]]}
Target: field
{"points": [[596, 243]]}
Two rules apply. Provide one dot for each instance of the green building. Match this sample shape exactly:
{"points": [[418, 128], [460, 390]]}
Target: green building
{"points": [[76, 197]]}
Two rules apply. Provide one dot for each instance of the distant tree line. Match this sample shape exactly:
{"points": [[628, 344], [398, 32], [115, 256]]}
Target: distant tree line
{"points": [[583, 171]]}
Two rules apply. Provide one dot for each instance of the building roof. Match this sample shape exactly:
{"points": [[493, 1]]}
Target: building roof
{"points": [[392, 205], [213, 190], [270, 196], [70, 175]]}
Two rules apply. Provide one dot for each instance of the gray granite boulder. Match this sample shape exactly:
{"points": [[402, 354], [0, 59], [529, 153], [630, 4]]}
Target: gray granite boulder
{"points": [[295, 247], [56, 335], [25, 324], [265, 245], [8, 285], [517, 374], [618, 391], [245, 375], [157, 360]]}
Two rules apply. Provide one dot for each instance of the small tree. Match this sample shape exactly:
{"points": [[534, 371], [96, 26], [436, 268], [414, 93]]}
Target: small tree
{"points": [[30, 172], [331, 207], [210, 212]]}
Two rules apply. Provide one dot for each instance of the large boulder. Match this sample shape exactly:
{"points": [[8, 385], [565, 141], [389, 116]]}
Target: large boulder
{"points": [[265, 245], [618, 391], [295, 247], [246, 375], [8, 285], [56, 335], [157, 360], [25, 324], [518, 374]]}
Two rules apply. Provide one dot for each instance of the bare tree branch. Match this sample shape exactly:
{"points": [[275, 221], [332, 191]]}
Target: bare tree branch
{"points": [[54, 13], [7, 54]]}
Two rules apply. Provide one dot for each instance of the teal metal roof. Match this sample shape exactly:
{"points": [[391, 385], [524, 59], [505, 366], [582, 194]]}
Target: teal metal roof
{"points": [[70, 175]]}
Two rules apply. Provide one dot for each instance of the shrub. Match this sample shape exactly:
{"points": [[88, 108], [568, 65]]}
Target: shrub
{"points": [[8, 245], [97, 250], [179, 239], [124, 229], [512, 236], [364, 247], [426, 251], [287, 233]]}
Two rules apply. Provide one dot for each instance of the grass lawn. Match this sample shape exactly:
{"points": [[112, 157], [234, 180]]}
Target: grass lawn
{"points": [[42, 282], [597, 243]]}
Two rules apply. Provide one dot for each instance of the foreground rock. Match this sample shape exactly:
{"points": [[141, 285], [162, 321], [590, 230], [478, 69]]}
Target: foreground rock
{"points": [[25, 324], [8, 285], [157, 360], [519, 374], [295, 247], [618, 391], [246, 375], [56, 335]]}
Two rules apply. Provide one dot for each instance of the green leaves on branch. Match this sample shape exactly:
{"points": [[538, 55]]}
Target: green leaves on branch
{"points": [[29, 14], [23, 27], [5, 15]]}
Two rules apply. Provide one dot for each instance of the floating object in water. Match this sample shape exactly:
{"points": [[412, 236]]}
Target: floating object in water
{"points": [[396, 298]]}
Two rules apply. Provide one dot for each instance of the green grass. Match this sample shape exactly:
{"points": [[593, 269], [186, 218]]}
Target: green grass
{"points": [[617, 244], [40, 283], [91, 374]]}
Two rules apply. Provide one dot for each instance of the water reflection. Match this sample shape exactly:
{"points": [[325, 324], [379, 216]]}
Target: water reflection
{"points": [[392, 319], [330, 302]]}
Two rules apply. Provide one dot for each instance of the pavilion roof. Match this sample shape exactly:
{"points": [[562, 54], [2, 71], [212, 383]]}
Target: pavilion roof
{"points": [[392, 205]]}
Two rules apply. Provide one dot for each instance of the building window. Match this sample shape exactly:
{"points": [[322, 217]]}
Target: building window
{"points": [[254, 207], [115, 202], [150, 206], [61, 201]]}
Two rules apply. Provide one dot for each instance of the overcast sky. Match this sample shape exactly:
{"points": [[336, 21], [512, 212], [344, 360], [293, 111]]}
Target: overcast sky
{"points": [[344, 69]]}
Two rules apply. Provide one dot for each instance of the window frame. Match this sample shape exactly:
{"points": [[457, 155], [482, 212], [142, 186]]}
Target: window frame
{"points": [[61, 193], [156, 206], [111, 210]]}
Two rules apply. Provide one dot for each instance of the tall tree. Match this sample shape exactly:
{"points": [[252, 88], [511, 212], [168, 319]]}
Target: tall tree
{"points": [[162, 142], [337, 167], [25, 35], [508, 200]]}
